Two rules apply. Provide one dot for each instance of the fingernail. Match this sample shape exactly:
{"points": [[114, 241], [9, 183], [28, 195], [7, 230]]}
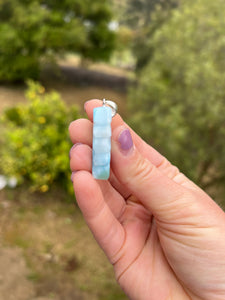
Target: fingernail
{"points": [[125, 140], [72, 175], [74, 146]]}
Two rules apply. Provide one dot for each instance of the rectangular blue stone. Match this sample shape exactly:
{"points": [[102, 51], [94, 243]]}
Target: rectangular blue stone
{"points": [[101, 172], [101, 159], [102, 115], [101, 131], [102, 145]]}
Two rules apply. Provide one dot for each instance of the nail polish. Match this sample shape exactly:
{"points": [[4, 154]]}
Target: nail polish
{"points": [[125, 140], [72, 175]]}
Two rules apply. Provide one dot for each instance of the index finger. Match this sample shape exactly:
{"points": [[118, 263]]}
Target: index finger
{"points": [[146, 150]]}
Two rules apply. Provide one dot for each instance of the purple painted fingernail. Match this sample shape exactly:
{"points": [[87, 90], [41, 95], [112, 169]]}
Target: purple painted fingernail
{"points": [[72, 175], [125, 140], [74, 146]]}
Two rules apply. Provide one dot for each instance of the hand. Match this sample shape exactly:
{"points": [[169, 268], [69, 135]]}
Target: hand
{"points": [[164, 236]]}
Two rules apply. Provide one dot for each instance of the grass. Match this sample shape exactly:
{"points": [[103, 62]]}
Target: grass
{"points": [[57, 246]]}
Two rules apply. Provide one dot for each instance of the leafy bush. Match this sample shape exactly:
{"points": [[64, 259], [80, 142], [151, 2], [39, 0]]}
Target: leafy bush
{"points": [[35, 31], [34, 140], [179, 103], [143, 18]]}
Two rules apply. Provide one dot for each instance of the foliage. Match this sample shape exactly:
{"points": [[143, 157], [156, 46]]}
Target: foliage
{"points": [[179, 102], [139, 12], [35, 142], [37, 30], [143, 18]]}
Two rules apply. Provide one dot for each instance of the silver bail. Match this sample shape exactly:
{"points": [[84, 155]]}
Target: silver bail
{"points": [[112, 105]]}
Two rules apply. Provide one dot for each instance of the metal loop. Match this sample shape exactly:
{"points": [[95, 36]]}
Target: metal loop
{"points": [[112, 105]]}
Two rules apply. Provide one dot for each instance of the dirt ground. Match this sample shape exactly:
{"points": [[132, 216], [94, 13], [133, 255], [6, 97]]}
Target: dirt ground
{"points": [[47, 252], [14, 282], [13, 277]]}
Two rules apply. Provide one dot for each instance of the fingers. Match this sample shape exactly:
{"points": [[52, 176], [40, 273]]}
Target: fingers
{"points": [[81, 131], [165, 198], [107, 230], [146, 150], [80, 159]]}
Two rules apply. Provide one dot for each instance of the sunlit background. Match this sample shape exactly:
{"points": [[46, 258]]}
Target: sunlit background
{"points": [[162, 62]]}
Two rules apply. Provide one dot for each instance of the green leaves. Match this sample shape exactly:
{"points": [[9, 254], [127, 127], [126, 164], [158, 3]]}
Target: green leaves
{"points": [[31, 30], [35, 142], [182, 90]]}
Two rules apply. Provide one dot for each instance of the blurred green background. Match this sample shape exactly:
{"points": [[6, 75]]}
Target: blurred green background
{"points": [[163, 63]]}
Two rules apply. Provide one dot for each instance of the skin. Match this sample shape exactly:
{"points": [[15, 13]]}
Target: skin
{"points": [[163, 235]]}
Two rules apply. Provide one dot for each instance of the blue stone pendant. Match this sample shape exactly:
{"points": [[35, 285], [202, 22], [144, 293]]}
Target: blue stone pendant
{"points": [[101, 146]]}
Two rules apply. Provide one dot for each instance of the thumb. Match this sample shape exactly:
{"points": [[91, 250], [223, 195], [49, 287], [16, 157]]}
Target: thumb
{"points": [[166, 199]]}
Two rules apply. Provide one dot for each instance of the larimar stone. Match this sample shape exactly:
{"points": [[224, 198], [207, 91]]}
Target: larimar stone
{"points": [[101, 147], [101, 159], [101, 172], [101, 131]]}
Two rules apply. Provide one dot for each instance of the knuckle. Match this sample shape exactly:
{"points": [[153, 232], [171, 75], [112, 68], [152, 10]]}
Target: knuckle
{"points": [[168, 169], [180, 178], [143, 170], [173, 172]]}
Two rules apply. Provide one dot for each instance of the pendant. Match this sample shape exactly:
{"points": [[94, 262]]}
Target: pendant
{"points": [[101, 145]]}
